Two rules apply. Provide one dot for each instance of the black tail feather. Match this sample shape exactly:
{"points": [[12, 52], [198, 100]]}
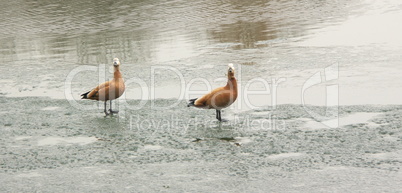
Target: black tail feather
{"points": [[191, 102], [85, 95]]}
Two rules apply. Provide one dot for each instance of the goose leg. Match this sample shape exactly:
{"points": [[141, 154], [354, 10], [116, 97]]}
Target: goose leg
{"points": [[105, 110], [218, 115], [110, 110]]}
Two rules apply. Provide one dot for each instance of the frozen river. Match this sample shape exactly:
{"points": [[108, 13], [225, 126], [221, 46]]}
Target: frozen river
{"points": [[319, 108]]}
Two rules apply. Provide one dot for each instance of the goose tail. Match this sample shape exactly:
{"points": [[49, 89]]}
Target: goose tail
{"points": [[191, 102], [85, 95]]}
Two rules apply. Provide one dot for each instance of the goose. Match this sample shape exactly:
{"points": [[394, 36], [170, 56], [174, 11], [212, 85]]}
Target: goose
{"points": [[219, 98], [108, 90]]}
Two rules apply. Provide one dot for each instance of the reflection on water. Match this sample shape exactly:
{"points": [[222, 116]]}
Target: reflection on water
{"points": [[93, 31], [270, 38], [244, 33]]}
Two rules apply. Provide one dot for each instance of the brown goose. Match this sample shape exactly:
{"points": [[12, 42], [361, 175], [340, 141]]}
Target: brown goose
{"points": [[109, 90], [219, 98]]}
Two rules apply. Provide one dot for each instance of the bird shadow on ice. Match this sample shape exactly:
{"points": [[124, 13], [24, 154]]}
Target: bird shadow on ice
{"points": [[218, 130], [109, 124]]}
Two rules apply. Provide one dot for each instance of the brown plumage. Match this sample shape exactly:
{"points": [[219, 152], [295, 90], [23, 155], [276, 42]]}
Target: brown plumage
{"points": [[108, 90], [219, 98]]}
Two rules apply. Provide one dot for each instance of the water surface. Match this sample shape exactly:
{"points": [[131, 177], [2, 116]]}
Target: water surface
{"points": [[43, 41]]}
